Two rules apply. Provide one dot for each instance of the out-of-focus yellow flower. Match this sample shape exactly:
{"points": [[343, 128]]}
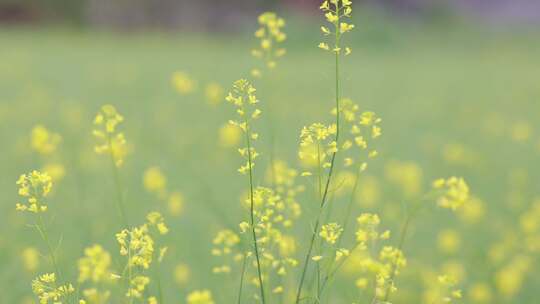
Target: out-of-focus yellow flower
{"points": [[449, 241], [111, 141], [270, 35], [200, 297], [95, 296], [28, 300], [455, 269], [183, 83], [521, 131], [369, 191], [287, 246], [137, 286], [441, 290], [456, 154], [30, 259], [176, 203], [480, 293], [155, 181], [452, 192], [44, 141], [182, 274], [509, 280], [229, 136], [344, 182], [94, 266], [408, 176], [156, 220], [56, 171], [214, 93], [473, 211]]}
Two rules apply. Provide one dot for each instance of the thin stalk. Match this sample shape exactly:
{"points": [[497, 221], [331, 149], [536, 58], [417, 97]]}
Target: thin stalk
{"points": [[130, 274], [333, 272], [43, 233], [402, 238], [244, 262], [330, 171], [252, 213], [117, 184], [158, 279], [345, 225], [349, 206]]}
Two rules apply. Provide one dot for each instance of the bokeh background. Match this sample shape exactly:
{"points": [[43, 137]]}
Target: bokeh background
{"points": [[456, 83]]}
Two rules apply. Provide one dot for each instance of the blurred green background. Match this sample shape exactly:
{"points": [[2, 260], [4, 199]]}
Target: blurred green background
{"points": [[458, 96]]}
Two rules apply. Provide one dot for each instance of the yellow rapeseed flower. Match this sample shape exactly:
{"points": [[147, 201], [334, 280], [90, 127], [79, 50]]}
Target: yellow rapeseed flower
{"points": [[200, 297], [270, 35], [183, 83], [453, 192], [94, 266], [34, 186], [110, 140], [44, 141]]}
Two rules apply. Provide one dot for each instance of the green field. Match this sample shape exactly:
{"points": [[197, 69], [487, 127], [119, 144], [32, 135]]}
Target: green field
{"points": [[461, 102]]}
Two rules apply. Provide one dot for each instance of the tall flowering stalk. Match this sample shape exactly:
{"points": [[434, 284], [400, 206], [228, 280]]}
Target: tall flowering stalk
{"points": [[113, 143], [335, 11], [35, 187], [244, 99]]}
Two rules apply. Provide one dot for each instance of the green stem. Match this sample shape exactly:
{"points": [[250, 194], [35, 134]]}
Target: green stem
{"points": [[43, 233], [117, 184], [130, 300], [252, 213], [330, 171], [158, 279], [244, 262]]}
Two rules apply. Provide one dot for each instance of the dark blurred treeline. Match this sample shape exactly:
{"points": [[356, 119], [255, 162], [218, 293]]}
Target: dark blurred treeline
{"points": [[221, 14]]}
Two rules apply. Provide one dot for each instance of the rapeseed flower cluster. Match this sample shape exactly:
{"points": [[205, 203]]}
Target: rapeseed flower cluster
{"points": [[443, 290], [95, 264], [34, 187], [44, 141], [155, 182], [364, 127], [243, 98], [270, 35], [454, 192], [335, 12], [317, 145], [138, 244], [112, 141], [274, 208], [46, 289], [225, 245], [200, 297]]}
